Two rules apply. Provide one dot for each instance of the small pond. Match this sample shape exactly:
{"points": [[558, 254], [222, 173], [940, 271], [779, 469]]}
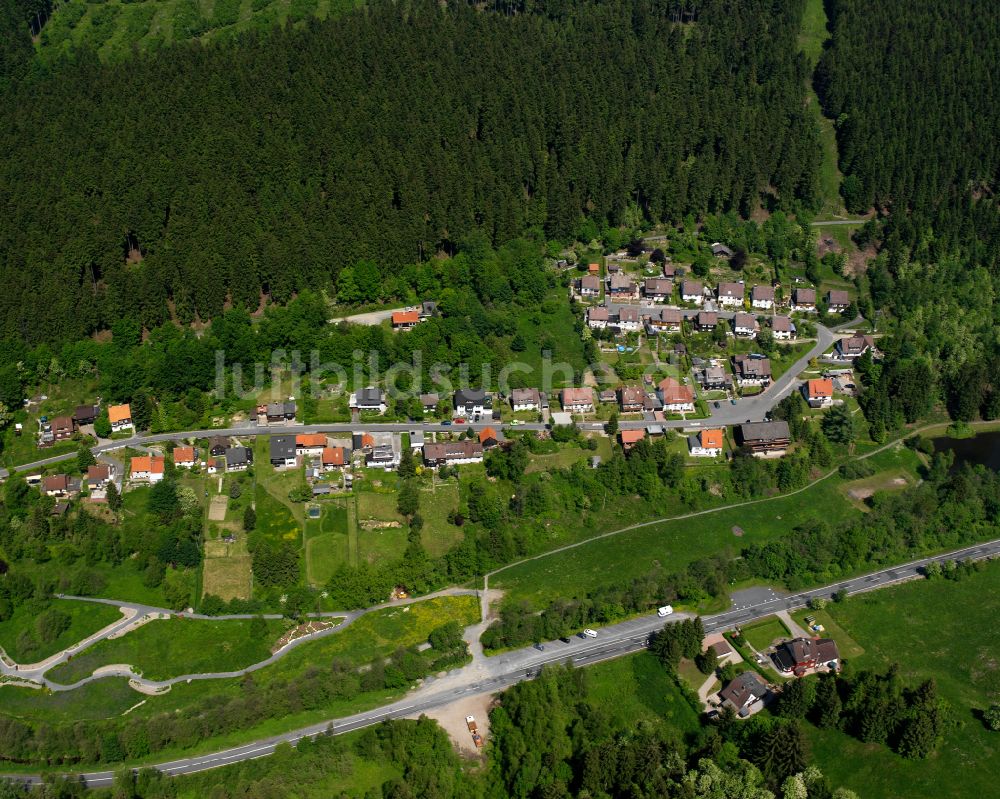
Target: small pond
{"points": [[982, 449]]}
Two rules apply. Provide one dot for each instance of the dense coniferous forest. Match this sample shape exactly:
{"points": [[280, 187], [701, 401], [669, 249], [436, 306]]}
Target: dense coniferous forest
{"points": [[240, 172]]}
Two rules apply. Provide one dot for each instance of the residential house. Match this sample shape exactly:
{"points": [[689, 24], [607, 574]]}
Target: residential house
{"points": [[370, 399], [837, 301], [629, 319], [453, 453], [667, 320], [147, 468], [706, 443], [429, 402], [593, 269], [762, 297], [238, 459], [675, 396], [598, 317], [744, 325], [216, 465], [607, 395], [384, 452], [613, 267], [577, 400], [801, 654], [720, 250], [629, 438], [488, 437], [100, 474], [620, 286], [752, 370], [310, 443], [631, 399], [62, 428], [525, 399], [658, 289], [405, 320], [217, 446], [692, 291], [362, 442], [819, 393], [730, 294], [86, 414], [804, 300], [853, 347], [764, 437], [333, 458], [184, 457], [713, 378], [58, 485], [783, 328], [590, 286], [746, 694], [120, 417], [281, 451], [706, 321], [669, 270], [279, 412], [473, 403]]}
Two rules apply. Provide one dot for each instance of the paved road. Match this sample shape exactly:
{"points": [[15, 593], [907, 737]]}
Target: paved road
{"points": [[504, 670]]}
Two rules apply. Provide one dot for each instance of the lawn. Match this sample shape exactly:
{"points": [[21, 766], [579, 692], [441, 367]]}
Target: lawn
{"points": [[274, 519], [761, 634], [670, 544], [438, 534], [568, 455], [97, 700], [327, 541], [381, 530], [942, 630], [848, 647], [226, 570], [171, 647], [637, 689], [86, 618]]}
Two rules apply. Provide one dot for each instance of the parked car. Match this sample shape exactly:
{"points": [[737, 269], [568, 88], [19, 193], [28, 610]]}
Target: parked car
{"points": [[460, 420], [565, 639], [718, 404], [515, 422], [446, 422], [588, 633], [666, 610], [732, 402], [540, 647]]}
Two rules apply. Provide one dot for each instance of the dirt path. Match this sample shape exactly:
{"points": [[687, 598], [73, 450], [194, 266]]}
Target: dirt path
{"points": [[792, 625], [452, 719]]}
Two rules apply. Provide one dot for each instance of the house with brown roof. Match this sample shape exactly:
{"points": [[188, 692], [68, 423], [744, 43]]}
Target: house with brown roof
{"points": [[801, 654], [147, 469], [607, 396], [667, 320], [746, 694], [184, 457], [525, 399], [837, 301], [86, 414], [752, 370], [712, 378], [629, 319], [594, 269], [762, 297], [429, 402], [62, 428], [405, 320], [706, 321], [577, 400], [453, 453], [658, 289], [217, 445], [669, 270], [598, 317], [764, 437], [631, 399], [629, 438], [692, 291], [707, 443], [590, 286], [120, 417], [852, 347], [333, 458], [783, 328], [804, 300], [676, 397], [100, 474], [730, 294], [621, 285], [720, 250], [744, 325], [818, 393], [59, 485]]}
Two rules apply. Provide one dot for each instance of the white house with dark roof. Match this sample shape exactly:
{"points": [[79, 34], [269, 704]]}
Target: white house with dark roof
{"points": [[598, 317], [783, 328], [762, 297], [730, 294], [692, 291], [744, 325]]}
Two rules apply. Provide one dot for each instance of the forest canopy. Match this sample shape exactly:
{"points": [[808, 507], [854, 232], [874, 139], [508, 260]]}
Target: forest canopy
{"points": [[177, 183]]}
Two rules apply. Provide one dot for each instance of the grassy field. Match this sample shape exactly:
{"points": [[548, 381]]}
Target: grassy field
{"points": [[171, 647], [113, 28], [379, 543], [670, 544], [328, 541], [942, 630], [848, 647], [761, 634], [568, 455], [226, 570], [438, 534], [637, 689], [98, 700], [86, 618]]}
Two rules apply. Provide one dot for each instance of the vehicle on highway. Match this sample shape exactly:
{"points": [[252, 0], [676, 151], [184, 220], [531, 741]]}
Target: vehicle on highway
{"points": [[540, 647], [588, 633], [718, 404], [732, 402], [666, 610]]}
